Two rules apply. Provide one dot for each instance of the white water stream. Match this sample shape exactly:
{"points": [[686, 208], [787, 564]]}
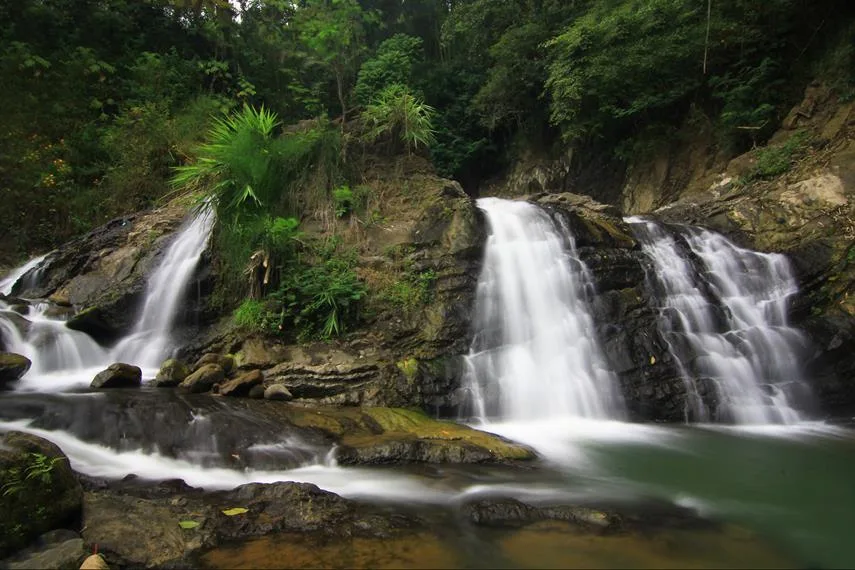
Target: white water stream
{"points": [[67, 359], [727, 321], [535, 355]]}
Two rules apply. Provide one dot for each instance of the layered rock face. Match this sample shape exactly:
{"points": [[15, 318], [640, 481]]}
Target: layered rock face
{"points": [[421, 267]]}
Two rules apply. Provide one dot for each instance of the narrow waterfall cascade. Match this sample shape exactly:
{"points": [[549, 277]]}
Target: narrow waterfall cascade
{"points": [[8, 282], [535, 354], [149, 343], [64, 358], [726, 322]]}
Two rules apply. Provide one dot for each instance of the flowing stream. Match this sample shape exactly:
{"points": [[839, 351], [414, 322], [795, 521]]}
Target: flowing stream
{"points": [[726, 320], [536, 375], [535, 355]]}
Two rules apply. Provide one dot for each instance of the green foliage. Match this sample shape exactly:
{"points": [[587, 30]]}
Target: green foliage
{"points": [[776, 160], [392, 65], [622, 59], [38, 469], [321, 300], [397, 115], [235, 166], [342, 200], [251, 315], [412, 292], [746, 93]]}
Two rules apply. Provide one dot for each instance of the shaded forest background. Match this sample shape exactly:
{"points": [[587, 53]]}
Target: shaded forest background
{"points": [[103, 99]]}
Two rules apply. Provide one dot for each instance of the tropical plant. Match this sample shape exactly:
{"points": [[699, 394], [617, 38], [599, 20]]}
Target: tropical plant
{"points": [[399, 116], [235, 166]]}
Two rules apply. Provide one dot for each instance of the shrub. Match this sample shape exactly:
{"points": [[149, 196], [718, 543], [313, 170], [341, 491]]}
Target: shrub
{"points": [[397, 115]]}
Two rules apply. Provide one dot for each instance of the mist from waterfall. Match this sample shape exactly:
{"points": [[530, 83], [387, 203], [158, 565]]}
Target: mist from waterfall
{"points": [[535, 355], [725, 318]]}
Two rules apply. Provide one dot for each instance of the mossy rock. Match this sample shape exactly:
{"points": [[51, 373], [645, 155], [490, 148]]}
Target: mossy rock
{"points": [[39, 490], [12, 367], [411, 436]]}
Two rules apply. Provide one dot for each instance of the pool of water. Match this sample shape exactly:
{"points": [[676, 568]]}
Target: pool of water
{"points": [[784, 494]]}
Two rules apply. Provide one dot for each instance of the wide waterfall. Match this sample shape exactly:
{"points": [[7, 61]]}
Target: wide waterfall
{"points": [[149, 342], [535, 354], [64, 358], [726, 322]]}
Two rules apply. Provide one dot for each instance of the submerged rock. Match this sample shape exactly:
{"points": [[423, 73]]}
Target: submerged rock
{"points": [[172, 372], [40, 491], [12, 368], [242, 385], [203, 379], [277, 392], [118, 375]]}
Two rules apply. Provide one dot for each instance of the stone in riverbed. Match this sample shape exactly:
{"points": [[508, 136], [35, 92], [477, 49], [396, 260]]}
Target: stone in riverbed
{"points": [[203, 379], [31, 506], [242, 385], [12, 367], [61, 549], [278, 392], [118, 375], [226, 362], [172, 372], [257, 392]]}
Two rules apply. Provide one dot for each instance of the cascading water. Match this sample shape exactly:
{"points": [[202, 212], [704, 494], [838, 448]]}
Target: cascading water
{"points": [[63, 358], [149, 342], [726, 320], [7, 283], [535, 355]]}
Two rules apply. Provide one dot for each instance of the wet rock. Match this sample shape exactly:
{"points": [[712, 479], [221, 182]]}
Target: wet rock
{"points": [[277, 392], [134, 532], [40, 492], [641, 517], [118, 375], [59, 549], [172, 372], [242, 385], [511, 512], [203, 379], [256, 392], [139, 527], [12, 368], [389, 436], [226, 362]]}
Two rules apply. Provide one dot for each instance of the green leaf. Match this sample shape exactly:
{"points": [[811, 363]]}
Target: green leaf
{"points": [[235, 511], [188, 524]]}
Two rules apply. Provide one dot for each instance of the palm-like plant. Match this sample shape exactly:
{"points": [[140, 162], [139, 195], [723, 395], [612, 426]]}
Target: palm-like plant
{"points": [[235, 167], [397, 113]]}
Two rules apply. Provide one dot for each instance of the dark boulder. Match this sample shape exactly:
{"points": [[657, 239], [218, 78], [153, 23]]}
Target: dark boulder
{"points": [[40, 491], [118, 375], [12, 368]]}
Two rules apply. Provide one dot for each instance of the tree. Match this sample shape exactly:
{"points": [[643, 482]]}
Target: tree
{"points": [[334, 32]]}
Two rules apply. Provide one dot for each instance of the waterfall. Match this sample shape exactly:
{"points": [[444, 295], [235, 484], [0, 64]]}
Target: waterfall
{"points": [[8, 282], [148, 344], [726, 321], [64, 358], [534, 354]]}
